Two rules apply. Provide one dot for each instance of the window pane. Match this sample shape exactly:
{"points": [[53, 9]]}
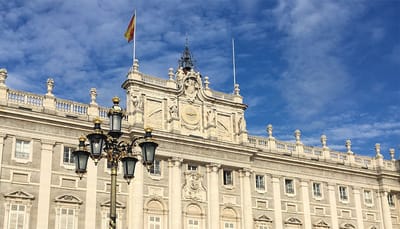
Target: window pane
{"points": [[22, 149], [289, 186], [155, 169], [228, 180]]}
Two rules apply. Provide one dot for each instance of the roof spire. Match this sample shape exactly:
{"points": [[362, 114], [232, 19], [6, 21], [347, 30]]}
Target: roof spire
{"points": [[186, 61]]}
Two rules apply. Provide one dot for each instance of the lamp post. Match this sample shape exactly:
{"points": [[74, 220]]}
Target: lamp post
{"points": [[108, 146]]}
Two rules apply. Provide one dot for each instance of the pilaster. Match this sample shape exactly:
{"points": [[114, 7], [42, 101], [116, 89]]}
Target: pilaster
{"points": [[277, 203], [306, 204], [135, 213], [2, 137], [386, 215], [213, 196], [3, 87], [44, 184], [91, 196], [247, 212], [333, 207], [359, 215], [175, 193]]}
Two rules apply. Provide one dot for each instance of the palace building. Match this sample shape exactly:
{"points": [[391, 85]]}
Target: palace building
{"points": [[209, 172]]}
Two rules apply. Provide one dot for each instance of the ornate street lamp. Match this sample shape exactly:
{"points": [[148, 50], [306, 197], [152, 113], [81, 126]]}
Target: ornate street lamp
{"points": [[108, 146]]}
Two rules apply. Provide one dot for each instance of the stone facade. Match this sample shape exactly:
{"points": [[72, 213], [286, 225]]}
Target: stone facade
{"points": [[209, 172]]}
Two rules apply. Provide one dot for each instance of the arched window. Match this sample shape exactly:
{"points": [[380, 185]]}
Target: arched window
{"points": [[155, 214], [229, 218], [194, 217]]}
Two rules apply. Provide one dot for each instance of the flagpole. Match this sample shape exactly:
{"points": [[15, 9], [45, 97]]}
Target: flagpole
{"points": [[233, 62], [134, 40]]}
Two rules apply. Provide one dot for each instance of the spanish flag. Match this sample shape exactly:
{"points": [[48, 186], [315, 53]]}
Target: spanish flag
{"points": [[131, 29]]}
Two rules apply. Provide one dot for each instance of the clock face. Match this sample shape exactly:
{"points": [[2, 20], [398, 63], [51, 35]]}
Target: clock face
{"points": [[190, 115]]}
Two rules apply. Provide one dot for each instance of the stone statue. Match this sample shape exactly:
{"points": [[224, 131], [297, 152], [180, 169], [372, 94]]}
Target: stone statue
{"points": [[50, 86], [173, 111], [136, 102]]}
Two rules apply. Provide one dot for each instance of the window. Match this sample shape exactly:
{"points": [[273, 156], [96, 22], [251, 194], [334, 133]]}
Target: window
{"points": [[67, 155], [317, 190], [155, 169], [289, 186], [17, 207], [22, 149], [192, 167], [229, 225], [262, 226], [228, 179], [343, 195], [390, 198], [17, 216], [260, 182], [154, 222], [105, 220], [67, 218], [193, 224], [368, 197]]}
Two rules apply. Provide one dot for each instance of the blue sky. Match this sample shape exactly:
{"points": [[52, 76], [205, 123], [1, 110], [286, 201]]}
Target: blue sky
{"points": [[324, 67]]}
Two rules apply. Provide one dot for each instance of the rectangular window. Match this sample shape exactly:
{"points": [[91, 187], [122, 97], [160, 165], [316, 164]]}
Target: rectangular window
{"points": [[229, 225], [155, 169], [260, 182], [193, 224], [390, 198], [67, 156], [289, 186], [154, 222], [106, 220], [368, 197], [16, 217], [67, 218], [22, 149], [192, 167], [262, 226], [317, 190], [343, 195], [228, 179]]}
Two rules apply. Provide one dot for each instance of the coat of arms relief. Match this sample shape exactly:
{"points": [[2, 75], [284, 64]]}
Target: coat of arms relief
{"points": [[193, 188]]}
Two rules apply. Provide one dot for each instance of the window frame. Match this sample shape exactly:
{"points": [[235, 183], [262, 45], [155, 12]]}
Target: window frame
{"points": [[14, 150], [67, 165], [159, 173], [371, 197], [154, 223], [293, 186], [232, 225], [225, 181], [191, 166], [260, 185], [340, 193], [391, 200], [192, 226], [320, 190]]}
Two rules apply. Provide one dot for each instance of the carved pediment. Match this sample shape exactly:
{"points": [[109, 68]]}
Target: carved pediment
{"points": [[347, 226], [19, 195], [263, 218], [69, 199], [107, 204], [189, 83], [293, 221], [321, 224]]}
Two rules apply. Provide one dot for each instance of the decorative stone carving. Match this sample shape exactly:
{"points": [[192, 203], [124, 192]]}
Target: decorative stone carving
{"points": [[20, 195], [263, 218], [193, 188], [136, 102], [293, 221], [347, 226], [70, 199], [93, 96], [191, 87], [173, 111], [3, 77], [321, 224], [50, 86], [242, 125], [191, 116], [210, 118]]}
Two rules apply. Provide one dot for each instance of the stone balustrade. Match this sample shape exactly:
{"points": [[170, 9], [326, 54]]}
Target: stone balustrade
{"points": [[270, 144]]}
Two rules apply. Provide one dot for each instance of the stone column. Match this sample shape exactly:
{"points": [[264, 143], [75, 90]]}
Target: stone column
{"points": [[2, 137], [3, 87], [91, 195], [277, 202], [386, 215], [175, 193], [213, 196], [306, 204], [247, 208], [332, 203], [44, 184], [135, 214], [359, 215]]}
